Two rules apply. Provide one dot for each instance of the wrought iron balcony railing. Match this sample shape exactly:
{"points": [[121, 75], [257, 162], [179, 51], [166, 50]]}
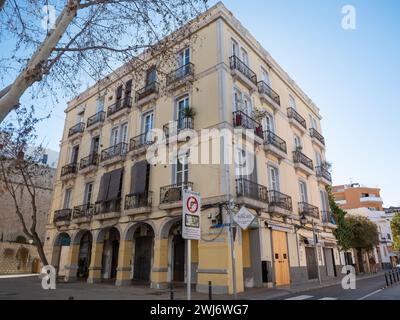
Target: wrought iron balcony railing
{"points": [[239, 65], [280, 200], [138, 200], [119, 149], [90, 160], [119, 105], [96, 118], [180, 74], [308, 210], [69, 169], [315, 134], [328, 217], [293, 114], [83, 211], [108, 206], [322, 172], [140, 141], [173, 193], [263, 88], [273, 139], [78, 128], [241, 119], [147, 90], [62, 215], [174, 127], [252, 190], [299, 157]]}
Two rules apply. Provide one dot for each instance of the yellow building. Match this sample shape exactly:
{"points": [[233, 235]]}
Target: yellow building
{"points": [[114, 216]]}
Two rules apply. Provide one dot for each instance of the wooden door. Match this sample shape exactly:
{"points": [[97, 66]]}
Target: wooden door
{"points": [[179, 259], [311, 263], [281, 258], [143, 247]]}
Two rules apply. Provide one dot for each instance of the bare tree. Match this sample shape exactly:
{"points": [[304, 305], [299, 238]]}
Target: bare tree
{"points": [[89, 39], [21, 173]]}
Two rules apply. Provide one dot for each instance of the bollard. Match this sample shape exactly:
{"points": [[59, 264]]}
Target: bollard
{"points": [[171, 291], [394, 277], [70, 298], [387, 280], [390, 277], [397, 274], [209, 290]]}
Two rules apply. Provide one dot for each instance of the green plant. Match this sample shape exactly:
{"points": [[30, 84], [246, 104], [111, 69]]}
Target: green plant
{"points": [[364, 233], [189, 112], [395, 225], [343, 231]]}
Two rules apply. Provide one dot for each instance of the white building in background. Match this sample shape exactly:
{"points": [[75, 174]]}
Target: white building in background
{"points": [[49, 157], [384, 251]]}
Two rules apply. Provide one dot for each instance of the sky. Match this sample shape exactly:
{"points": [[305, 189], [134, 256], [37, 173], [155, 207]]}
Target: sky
{"points": [[351, 75]]}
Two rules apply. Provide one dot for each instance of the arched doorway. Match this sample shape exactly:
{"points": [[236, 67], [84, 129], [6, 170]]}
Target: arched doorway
{"points": [[177, 253], [143, 239], [85, 252], [109, 261], [60, 253]]}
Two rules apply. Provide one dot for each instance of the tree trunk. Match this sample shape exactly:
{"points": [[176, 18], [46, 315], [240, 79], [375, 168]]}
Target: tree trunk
{"points": [[39, 248]]}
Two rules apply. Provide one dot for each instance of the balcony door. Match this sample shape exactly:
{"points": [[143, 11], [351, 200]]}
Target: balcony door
{"points": [[118, 95], [273, 178], [318, 158], [67, 199], [265, 76], [244, 57], [182, 104], [297, 142], [100, 104], [151, 75], [75, 154], [88, 193], [183, 57], [124, 133], [95, 144], [303, 192], [268, 123], [181, 172]]}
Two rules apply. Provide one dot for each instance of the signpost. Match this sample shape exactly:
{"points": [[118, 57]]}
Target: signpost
{"points": [[191, 204]]}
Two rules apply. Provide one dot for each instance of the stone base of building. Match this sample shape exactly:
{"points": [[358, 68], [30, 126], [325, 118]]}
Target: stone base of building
{"points": [[203, 288]]}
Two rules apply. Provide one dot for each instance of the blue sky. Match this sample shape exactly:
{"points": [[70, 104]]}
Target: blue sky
{"points": [[352, 75]]}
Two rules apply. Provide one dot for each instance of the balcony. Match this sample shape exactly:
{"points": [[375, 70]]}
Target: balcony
{"points": [[241, 72], [62, 217], [76, 130], [69, 171], [323, 175], [114, 154], [107, 209], [296, 120], [140, 143], [171, 196], [251, 194], [173, 128], [317, 138], [180, 76], [147, 94], [279, 203], [96, 120], [119, 108], [138, 203], [89, 163], [241, 119], [83, 213], [371, 199], [274, 145], [303, 163], [328, 218], [269, 96], [308, 210]]}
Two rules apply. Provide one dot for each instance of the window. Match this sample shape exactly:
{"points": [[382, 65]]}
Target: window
{"points": [[124, 133], [184, 57], [303, 191], [240, 161], [100, 104], [273, 178], [119, 93], [67, 198], [88, 193], [245, 57], [151, 75], [238, 100], [313, 122], [318, 158], [45, 158], [182, 104], [75, 154], [297, 142], [114, 136], [94, 146], [292, 102], [234, 48], [182, 170], [324, 200], [80, 116], [265, 76], [247, 107], [147, 125], [268, 123], [128, 89]]}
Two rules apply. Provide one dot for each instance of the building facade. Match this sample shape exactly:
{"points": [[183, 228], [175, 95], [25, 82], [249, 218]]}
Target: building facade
{"points": [[116, 216], [362, 201]]}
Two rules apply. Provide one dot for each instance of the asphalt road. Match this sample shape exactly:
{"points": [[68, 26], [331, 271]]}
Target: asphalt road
{"points": [[366, 289]]}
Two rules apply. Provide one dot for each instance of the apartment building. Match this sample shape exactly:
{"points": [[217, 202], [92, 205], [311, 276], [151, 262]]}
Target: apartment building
{"points": [[353, 196], [117, 217]]}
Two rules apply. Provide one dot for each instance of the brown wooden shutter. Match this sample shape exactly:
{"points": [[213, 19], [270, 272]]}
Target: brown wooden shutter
{"points": [[103, 189], [139, 177], [114, 190], [119, 92]]}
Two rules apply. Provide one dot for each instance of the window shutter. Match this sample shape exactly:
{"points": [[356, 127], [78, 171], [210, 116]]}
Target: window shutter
{"points": [[114, 190], [139, 174], [103, 189]]}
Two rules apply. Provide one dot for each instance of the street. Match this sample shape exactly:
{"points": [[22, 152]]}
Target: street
{"points": [[29, 288]]}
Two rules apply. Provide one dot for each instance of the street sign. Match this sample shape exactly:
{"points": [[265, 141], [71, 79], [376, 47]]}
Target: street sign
{"points": [[191, 215], [243, 218]]}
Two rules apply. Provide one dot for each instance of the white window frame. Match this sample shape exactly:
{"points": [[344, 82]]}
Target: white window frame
{"points": [[275, 169], [292, 102], [303, 195], [88, 190], [67, 198]]}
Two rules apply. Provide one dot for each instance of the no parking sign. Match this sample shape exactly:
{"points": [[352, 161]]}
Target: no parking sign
{"points": [[191, 215]]}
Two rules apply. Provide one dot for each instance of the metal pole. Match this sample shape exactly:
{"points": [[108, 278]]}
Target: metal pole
{"points": [[232, 250], [188, 245], [316, 252], [387, 280], [209, 290]]}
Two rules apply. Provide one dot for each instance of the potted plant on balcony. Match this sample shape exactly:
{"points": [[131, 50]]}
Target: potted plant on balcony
{"points": [[189, 114], [325, 165]]}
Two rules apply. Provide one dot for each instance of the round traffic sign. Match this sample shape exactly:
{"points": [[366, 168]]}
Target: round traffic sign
{"points": [[192, 204]]}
